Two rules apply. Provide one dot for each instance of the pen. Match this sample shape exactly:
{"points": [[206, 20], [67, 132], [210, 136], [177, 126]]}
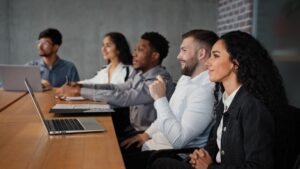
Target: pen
{"points": [[67, 80]]}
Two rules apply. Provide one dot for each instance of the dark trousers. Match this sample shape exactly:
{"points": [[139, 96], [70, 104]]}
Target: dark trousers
{"points": [[169, 163], [137, 160], [143, 159], [133, 157], [121, 121]]}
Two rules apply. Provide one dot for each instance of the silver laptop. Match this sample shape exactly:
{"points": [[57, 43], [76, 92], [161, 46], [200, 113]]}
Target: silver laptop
{"points": [[13, 77], [63, 126]]}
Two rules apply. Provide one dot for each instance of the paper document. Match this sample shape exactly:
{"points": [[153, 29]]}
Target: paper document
{"points": [[75, 98], [81, 106], [69, 98]]}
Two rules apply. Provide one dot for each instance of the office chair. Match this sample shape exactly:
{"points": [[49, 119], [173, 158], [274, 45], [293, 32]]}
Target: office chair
{"points": [[297, 163], [287, 137]]}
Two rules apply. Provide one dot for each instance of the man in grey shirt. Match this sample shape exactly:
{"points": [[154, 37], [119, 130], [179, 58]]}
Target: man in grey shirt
{"points": [[148, 55]]}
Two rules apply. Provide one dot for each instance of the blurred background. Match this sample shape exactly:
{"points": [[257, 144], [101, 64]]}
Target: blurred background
{"points": [[276, 23]]}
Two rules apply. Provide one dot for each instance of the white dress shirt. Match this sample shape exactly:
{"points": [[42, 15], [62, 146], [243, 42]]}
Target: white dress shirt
{"points": [[185, 121], [226, 101], [118, 75]]}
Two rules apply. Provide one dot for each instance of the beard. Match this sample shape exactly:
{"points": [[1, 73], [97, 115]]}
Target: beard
{"points": [[189, 67], [44, 54]]}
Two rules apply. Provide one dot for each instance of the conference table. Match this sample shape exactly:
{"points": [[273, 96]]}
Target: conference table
{"points": [[25, 143], [7, 98]]}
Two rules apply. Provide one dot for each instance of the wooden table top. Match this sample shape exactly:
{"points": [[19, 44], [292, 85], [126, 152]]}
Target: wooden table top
{"points": [[7, 98], [25, 143]]}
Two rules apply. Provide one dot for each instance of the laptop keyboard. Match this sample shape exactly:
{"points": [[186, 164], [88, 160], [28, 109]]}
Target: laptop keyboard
{"points": [[64, 124]]}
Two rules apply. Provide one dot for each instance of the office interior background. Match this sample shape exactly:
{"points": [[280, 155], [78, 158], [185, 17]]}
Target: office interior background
{"points": [[276, 23]]}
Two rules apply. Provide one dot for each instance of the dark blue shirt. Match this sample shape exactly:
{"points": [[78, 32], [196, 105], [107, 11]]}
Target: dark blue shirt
{"points": [[60, 70]]}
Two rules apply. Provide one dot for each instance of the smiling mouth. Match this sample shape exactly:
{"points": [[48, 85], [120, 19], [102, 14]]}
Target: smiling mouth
{"points": [[182, 62]]}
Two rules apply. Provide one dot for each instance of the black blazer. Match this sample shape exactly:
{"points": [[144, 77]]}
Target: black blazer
{"points": [[247, 135]]}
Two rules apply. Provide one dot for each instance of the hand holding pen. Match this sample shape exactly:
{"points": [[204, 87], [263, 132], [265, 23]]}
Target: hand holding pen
{"points": [[67, 80], [68, 89], [70, 83]]}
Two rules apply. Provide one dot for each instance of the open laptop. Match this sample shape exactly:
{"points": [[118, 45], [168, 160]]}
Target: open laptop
{"points": [[62, 126], [13, 77]]}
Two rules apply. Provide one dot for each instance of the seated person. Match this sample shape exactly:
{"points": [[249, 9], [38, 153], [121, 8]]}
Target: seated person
{"points": [[115, 49], [187, 120], [148, 55], [253, 93], [54, 70]]}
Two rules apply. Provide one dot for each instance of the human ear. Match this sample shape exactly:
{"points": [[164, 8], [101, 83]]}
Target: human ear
{"points": [[235, 65], [201, 53], [56, 47], [155, 56]]}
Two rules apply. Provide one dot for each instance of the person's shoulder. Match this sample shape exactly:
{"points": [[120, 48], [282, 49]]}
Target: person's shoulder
{"points": [[247, 99], [104, 67], [127, 66], [205, 82], [183, 78], [161, 70], [124, 67], [36, 62], [67, 63]]}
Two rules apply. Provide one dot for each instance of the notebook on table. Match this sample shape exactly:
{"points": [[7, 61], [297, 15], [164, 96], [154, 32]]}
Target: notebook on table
{"points": [[82, 109], [13, 77], [64, 125]]}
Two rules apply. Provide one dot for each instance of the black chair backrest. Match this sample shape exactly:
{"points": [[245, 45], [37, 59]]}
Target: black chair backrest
{"points": [[297, 163], [287, 138]]}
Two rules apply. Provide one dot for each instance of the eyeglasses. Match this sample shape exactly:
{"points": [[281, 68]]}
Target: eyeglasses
{"points": [[44, 42]]}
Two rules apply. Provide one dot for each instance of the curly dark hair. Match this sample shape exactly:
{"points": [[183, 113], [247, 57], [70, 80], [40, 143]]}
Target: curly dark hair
{"points": [[158, 43], [53, 34], [256, 70], [122, 46]]}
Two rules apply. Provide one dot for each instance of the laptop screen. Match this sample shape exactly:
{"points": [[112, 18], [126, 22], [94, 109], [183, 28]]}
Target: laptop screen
{"points": [[36, 105], [13, 77]]}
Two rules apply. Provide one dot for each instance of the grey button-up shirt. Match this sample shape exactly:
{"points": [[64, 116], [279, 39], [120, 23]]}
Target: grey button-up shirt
{"points": [[134, 93]]}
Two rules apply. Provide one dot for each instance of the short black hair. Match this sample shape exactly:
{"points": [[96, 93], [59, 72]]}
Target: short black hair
{"points": [[202, 36], [157, 42], [53, 34]]}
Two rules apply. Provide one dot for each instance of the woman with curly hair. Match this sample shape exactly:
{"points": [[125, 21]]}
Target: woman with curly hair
{"points": [[249, 93]]}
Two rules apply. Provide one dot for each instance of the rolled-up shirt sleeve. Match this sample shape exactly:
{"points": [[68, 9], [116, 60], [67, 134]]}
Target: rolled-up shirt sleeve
{"points": [[196, 118], [121, 95]]}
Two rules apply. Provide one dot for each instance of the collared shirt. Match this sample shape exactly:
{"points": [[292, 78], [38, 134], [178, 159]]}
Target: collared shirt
{"points": [[118, 75], [61, 70], [185, 121], [134, 93], [226, 101]]}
